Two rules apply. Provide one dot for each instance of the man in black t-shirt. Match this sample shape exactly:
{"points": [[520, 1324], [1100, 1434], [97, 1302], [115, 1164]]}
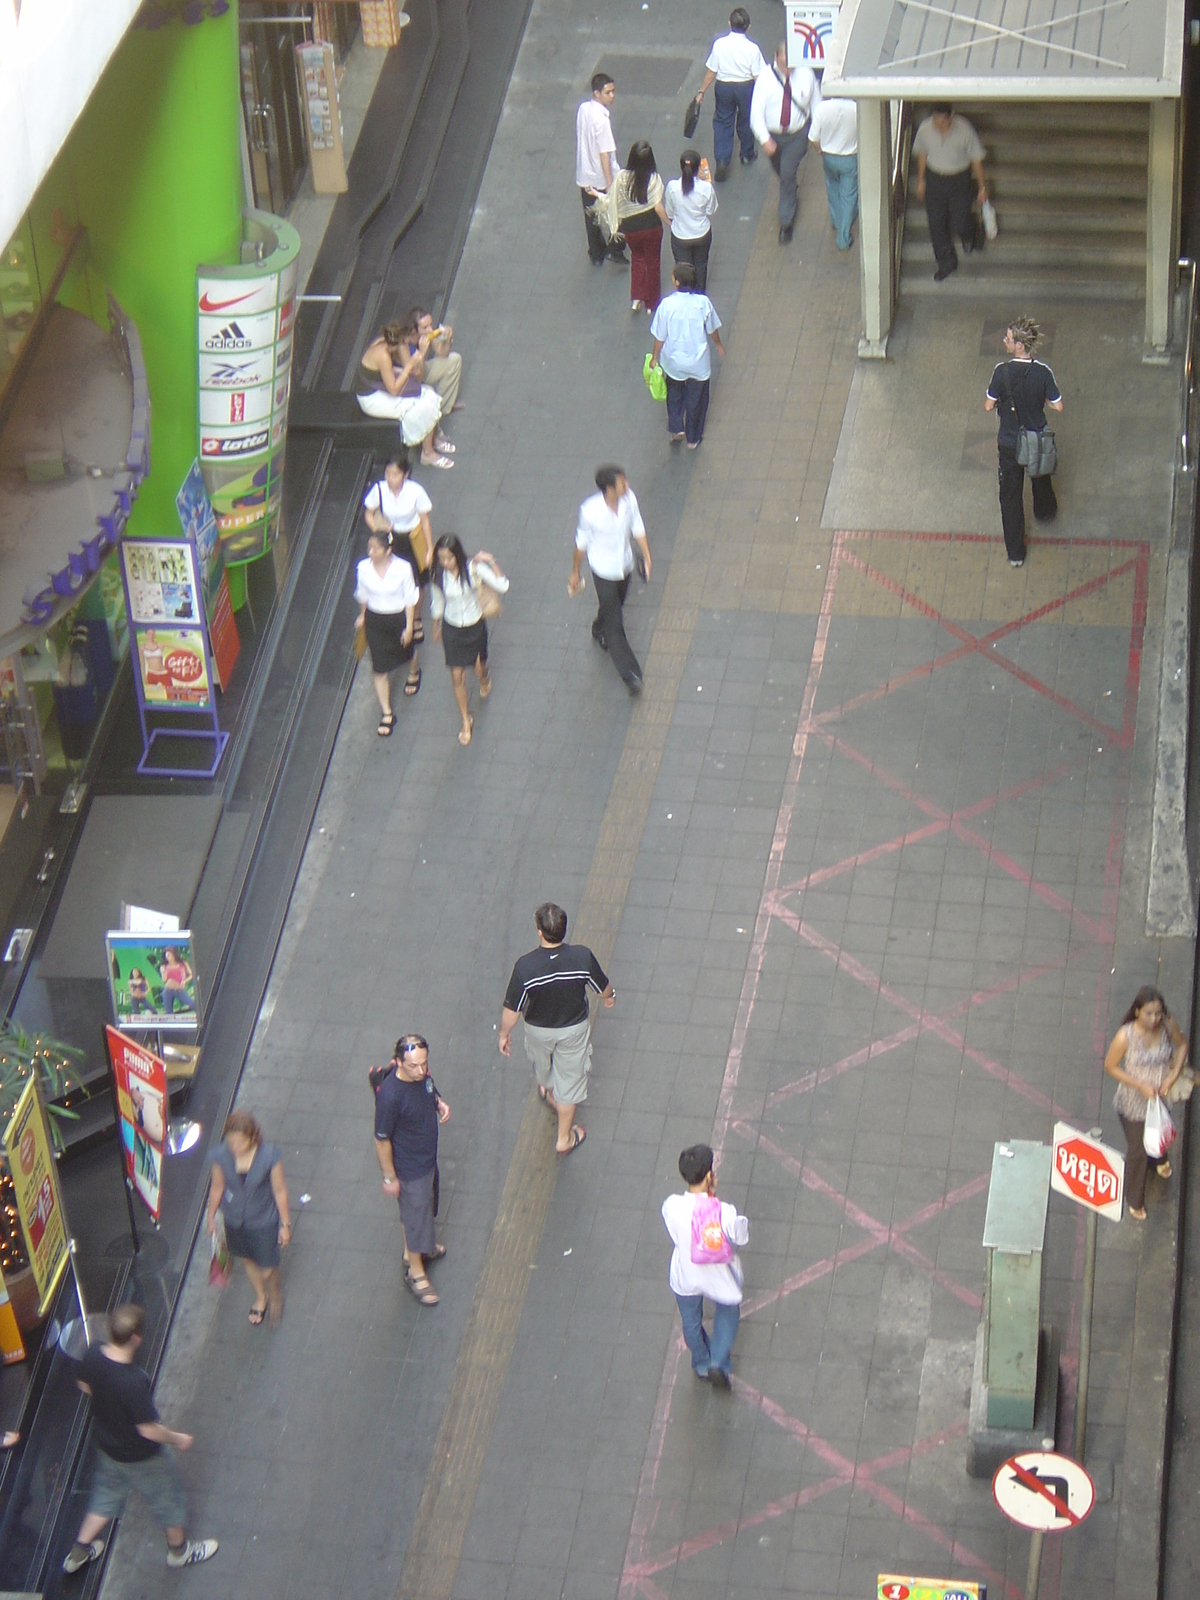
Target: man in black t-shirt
{"points": [[408, 1112], [1021, 388], [133, 1448], [549, 989]]}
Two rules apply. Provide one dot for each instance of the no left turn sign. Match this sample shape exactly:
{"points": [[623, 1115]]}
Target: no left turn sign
{"points": [[1044, 1491]]}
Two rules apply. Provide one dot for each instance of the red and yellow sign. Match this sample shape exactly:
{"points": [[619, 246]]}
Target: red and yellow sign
{"points": [[39, 1203]]}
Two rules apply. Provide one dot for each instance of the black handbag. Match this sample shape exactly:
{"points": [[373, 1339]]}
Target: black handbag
{"points": [[1037, 451], [691, 118]]}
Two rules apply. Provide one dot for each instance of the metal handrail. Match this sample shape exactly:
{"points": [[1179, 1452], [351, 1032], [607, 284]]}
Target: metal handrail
{"points": [[900, 161], [1188, 264]]}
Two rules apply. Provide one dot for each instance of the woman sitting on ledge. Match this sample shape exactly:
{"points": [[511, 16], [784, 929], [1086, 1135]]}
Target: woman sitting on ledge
{"points": [[389, 385]]}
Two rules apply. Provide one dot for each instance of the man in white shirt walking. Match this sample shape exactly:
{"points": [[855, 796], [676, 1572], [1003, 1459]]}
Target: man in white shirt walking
{"points": [[834, 131], [595, 163], [949, 175], [785, 99], [704, 1231], [610, 524], [734, 62]]}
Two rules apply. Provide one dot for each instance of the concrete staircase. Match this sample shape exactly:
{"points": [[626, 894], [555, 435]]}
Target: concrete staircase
{"points": [[1068, 181]]}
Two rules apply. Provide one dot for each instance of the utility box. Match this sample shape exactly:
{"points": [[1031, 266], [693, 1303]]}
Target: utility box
{"points": [[1014, 1234]]}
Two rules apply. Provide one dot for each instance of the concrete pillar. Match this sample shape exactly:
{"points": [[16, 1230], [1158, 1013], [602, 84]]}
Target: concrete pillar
{"points": [[1162, 223], [877, 225]]}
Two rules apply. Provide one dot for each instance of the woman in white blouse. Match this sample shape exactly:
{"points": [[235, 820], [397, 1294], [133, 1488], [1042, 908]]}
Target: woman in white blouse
{"points": [[387, 594], [690, 201], [458, 618]]}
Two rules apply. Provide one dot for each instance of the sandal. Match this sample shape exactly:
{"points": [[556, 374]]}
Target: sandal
{"points": [[436, 1253], [1140, 1214], [421, 1287], [464, 734], [444, 462], [547, 1098], [444, 445], [676, 438], [257, 1316], [386, 723], [412, 684], [1164, 1168], [418, 632], [485, 686], [578, 1135]]}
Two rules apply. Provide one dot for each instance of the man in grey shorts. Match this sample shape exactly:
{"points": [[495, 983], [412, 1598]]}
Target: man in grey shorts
{"points": [[549, 989], [408, 1112], [133, 1448]]}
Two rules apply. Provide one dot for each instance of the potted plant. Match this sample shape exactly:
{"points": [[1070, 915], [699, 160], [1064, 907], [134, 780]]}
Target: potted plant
{"points": [[52, 1064]]}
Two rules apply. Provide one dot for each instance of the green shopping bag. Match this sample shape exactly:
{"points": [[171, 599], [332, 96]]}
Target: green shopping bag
{"points": [[655, 380]]}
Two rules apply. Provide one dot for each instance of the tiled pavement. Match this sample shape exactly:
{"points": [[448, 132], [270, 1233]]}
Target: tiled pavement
{"points": [[863, 860]]}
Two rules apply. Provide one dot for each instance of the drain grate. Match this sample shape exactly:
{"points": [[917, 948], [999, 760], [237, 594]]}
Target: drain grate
{"points": [[651, 77]]}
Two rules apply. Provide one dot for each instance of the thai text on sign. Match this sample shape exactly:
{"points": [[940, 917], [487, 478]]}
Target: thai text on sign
{"points": [[39, 1203], [1087, 1171]]}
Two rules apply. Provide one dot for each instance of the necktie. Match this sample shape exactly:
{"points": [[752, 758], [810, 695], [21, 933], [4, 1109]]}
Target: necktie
{"points": [[785, 111]]}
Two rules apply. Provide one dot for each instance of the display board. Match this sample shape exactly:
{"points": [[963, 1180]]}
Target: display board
{"points": [[244, 325], [152, 981], [200, 528], [142, 1106], [39, 1202], [317, 72], [809, 30]]}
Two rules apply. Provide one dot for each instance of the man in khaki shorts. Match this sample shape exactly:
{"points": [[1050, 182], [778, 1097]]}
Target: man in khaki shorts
{"points": [[549, 989]]}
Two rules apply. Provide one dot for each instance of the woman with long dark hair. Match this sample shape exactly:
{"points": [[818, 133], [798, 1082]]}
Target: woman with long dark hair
{"points": [[633, 207], [690, 201], [388, 384], [1146, 1056], [458, 619], [387, 594]]}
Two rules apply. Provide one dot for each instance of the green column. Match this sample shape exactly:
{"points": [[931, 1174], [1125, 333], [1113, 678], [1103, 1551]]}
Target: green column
{"points": [[155, 163]]}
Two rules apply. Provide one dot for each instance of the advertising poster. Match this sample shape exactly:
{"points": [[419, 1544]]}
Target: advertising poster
{"points": [[200, 529], [244, 322], [12, 1346], [161, 575], [141, 1080], [39, 1203], [152, 980], [173, 669]]}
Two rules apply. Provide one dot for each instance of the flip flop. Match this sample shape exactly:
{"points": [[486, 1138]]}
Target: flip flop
{"points": [[468, 730], [257, 1316], [444, 445], [578, 1135], [443, 462], [545, 1097], [485, 686], [411, 685], [1163, 1169]]}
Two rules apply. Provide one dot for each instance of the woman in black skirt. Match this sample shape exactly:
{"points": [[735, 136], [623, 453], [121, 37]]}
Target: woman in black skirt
{"points": [[458, 618], [387, 594], [248, 1189]]}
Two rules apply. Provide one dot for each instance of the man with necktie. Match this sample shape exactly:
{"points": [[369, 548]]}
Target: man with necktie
{"points": [[780, 111]]}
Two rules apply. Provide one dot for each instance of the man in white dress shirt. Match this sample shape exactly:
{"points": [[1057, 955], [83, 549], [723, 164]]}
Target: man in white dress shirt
{"points": [[595, 163], [610, 524], [785, 99], [733, 64], [834, 131]]}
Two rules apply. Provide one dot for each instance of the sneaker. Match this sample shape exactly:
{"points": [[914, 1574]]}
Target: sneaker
{"points": [[719, 1379], [79, 1555], [1019, 563], [193, 1551]]}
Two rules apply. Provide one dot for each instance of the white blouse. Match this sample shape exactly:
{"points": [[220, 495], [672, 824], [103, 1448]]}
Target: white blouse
{"points": [[690, 213], [457, 605], [395, 590]]}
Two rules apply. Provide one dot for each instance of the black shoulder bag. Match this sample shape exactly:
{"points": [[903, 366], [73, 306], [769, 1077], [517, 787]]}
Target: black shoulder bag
{"points": [[1036, 451]]}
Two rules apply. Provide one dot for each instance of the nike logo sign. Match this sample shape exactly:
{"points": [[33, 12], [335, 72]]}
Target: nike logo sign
{"points": [[223, 305]]}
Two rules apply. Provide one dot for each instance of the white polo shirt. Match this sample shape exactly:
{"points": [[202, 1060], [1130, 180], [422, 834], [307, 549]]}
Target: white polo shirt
{"points": [[835, 128], [395, 591], [606, 537], [735, 58], [402, 510], [593, 136]]}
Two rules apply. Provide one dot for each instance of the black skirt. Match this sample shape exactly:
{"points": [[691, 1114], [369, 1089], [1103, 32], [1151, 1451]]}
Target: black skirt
{"points": [[465, 646], [400, 545], [385, 630]]}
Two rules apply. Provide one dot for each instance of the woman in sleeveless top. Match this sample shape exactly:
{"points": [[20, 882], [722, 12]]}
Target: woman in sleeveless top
{"points": [[1146, 1056], [389, 385]]}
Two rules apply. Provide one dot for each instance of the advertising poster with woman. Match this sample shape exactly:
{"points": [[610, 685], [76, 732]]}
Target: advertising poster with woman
{"points": [[152, 981], [141, 1083]]}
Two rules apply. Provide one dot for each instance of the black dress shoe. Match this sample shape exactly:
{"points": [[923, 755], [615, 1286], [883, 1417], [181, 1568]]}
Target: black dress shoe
{"points": [[719, 1379], [785, 234], [943, 273], [753, 156], [599, 638], [634, 685], [720, 172]]}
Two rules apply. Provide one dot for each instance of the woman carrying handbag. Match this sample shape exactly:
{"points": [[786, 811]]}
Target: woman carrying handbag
{"points": [[1146, 1056], [462, 596]]}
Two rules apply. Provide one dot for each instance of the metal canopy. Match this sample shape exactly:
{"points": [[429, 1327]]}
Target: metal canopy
{"points": [[1007, 49]]}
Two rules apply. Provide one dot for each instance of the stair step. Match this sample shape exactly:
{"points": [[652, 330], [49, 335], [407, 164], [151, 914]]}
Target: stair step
{"points": [[1040, 115], [1027, 150], [1122, 226], [1030, 288], [1033, 251]]}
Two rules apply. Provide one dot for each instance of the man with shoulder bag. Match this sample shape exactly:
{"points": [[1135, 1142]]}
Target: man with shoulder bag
{"points": [[1021, 388]]}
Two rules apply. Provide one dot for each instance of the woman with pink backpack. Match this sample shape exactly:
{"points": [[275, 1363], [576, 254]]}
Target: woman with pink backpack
{"points": [[705, 1231]]}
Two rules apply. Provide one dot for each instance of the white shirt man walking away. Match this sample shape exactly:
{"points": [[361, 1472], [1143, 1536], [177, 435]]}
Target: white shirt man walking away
{"points": [[834, 131], [733, 64], [949, 156], [595, 163], [610, 524], [784, 101]]}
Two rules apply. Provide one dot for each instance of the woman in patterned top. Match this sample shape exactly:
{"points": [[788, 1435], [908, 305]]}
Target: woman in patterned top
{"points": [[1146, 1056]]}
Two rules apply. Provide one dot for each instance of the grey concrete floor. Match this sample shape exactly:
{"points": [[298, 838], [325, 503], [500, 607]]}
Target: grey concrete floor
{"points": [[865, 917]]}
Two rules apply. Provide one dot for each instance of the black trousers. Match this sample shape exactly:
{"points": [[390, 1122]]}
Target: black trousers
{"points": [[695, 251], [598, 246], [1012, 501], [610, 627], [949, 200]]}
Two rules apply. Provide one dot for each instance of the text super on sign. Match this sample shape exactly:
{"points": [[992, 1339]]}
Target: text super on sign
{"points": [[1091, 1173]]}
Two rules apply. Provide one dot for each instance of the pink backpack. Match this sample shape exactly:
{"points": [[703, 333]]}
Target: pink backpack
{"points": [[710, 1247]]}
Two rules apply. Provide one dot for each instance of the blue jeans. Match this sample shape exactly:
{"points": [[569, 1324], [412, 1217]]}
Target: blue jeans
{"points": [[841, 186], [706, 1352], [732, 105], [687, 406]]}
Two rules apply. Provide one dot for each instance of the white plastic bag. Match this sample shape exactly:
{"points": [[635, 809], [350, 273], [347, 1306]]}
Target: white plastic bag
{"points": [[988, 212], [1160, 1131]]}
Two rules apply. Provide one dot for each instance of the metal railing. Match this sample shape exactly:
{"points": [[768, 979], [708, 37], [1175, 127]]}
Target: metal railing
{"points": [[1187, 264], [901, 150]]}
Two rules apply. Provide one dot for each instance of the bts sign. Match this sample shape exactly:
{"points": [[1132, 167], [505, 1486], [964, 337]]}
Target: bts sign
{"points": [[1091, 1173]]}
